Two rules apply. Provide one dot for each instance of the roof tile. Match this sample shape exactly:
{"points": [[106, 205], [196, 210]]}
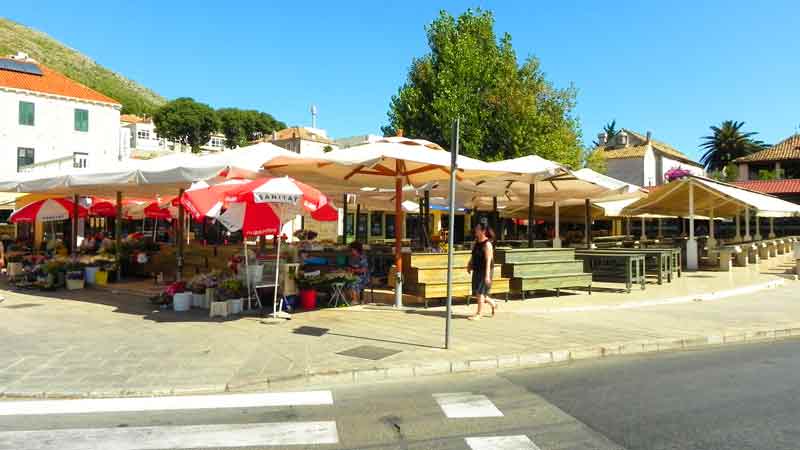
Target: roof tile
{"points": [[788, 148], [51, 82], [771, 186]]}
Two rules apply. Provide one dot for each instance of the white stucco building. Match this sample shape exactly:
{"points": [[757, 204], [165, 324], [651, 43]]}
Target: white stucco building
{"points": [[303, 140], [139, 138], [50, 121], [641, 160]]}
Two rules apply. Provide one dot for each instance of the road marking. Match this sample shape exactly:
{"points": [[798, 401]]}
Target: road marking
{"points": [[458, 405], [157, 438], [106, 405], [519, 442]]}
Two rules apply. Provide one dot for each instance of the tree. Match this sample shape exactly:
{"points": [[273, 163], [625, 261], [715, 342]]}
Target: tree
{"points": [[506, 109], [595, 159], [610, 129], [729, 173], [186, 121], [242, 126], [728, 143]]}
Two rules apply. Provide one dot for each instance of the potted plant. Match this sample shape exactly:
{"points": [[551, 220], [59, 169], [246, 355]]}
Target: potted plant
{"points": [[308, 283], [54, 270], [231, 291], [105, 267], [75, 276], [197, 286]]}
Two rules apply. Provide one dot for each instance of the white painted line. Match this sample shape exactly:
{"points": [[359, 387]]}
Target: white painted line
{"points": [[459, 405], [519, 442], [157, 438], [106, 405]]}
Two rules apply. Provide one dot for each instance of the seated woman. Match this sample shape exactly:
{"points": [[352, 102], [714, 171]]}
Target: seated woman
{"points": [[359, 265]]}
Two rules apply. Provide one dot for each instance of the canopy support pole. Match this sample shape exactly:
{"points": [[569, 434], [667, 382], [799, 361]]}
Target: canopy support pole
{"points": [[758, 236], [448, 330], [118, 234], [771, 228], [531, 214], [355, 221], [660, 228], [428, 214], [75, 213], [747, 236], [738, 237], [398, 235], [643, 234], [691, 245], [494, 216], [180, 240], [588, 225], [628, 230], [557, 233], [712, 242]]}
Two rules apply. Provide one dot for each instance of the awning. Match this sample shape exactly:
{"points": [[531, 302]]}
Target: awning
{"points": [[723, 199]]}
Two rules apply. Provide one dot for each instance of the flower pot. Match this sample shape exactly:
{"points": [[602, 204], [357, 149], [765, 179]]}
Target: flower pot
{"points": [[308, 299], [73, 285], [14, 269], [218, 309], [235, 305], [198, 300], [61, 279], [182, 301], [101, 278], [90, 275]]}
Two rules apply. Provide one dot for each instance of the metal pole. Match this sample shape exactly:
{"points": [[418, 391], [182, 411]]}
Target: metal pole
{"points": [[531, 213], [180, 239], [557, 232], [74, 237], [494, 215], [118, 234], [355, 222], [428, 213], [398, 235], [344, 219], [450, 234]]}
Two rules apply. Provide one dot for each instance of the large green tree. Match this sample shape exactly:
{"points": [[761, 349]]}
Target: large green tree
{"points": [[186, 121], [507, 109], [727, 143], [242, 126]]}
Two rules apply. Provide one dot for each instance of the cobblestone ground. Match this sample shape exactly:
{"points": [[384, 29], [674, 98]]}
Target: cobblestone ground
{"points": [[103, 342]]}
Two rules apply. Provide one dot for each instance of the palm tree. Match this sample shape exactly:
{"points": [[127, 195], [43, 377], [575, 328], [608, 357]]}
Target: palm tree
{"points": [[610, 129], [728, 143]]}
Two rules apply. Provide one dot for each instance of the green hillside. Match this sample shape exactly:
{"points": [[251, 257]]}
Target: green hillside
{"points": [[135, 98]]}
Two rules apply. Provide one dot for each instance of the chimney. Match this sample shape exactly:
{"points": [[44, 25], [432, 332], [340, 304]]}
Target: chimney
{"points": [[649, 135], [399, 132], [602, 138]]}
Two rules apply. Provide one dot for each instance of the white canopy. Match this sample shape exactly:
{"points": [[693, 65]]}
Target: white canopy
{"points": [[725, 200]]}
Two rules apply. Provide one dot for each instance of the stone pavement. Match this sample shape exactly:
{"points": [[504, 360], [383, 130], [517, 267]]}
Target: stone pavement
{"points": [[103, 343]]}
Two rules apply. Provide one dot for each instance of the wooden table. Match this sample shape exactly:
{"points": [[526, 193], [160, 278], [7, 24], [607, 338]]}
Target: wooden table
{"points": [[614, 264]]}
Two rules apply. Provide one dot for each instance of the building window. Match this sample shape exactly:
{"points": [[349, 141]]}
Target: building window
{"points": [[81, 120], [80, 160], [217, 142], [143, 134], [24, 158], [26, 113]]}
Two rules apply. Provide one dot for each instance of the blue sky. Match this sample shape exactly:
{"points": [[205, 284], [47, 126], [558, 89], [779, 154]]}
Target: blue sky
{"points": [[674, 68]]}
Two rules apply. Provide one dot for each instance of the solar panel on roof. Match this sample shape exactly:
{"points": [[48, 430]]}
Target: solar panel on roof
{"points": [[19, 66]]}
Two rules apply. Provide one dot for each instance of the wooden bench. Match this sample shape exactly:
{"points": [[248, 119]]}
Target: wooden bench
{"points": [[543, 269], [630, 267], [425, 276]]}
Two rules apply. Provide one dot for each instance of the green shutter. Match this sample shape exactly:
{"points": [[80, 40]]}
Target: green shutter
{"points": [[26, 113], [81, 120]]}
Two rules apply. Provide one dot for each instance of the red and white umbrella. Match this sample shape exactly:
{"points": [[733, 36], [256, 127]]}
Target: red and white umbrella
{"points": [[261, 206], [47, 210], [202, 200]]}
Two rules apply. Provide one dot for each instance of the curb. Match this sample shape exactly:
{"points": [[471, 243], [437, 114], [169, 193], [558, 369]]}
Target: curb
{"points": [[308, 378]]}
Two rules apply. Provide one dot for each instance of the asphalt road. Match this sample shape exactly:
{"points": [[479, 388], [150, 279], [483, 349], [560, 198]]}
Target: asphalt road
{"points": [[737, 397]]}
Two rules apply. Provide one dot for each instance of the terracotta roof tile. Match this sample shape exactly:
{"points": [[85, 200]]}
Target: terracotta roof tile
{"points": [[663, 147], [51, 82], [300, 133], [132, 118], [771, 186], [788, 148], [636, 151]]}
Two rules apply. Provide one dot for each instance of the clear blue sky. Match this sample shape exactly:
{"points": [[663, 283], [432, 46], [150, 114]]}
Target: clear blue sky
{"points": [[671, 67]]}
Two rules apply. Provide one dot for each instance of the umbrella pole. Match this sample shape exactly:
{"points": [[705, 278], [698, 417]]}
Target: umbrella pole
{"points": [[398, 235], [588, 224], [450, 235], [531, 215], [74, 238], [246, 270], [277, 273], [118, 234]]}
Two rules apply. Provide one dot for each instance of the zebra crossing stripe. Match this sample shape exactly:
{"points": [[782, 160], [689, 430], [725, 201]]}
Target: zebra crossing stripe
{"points": [[170, 437], [108, 405], [518, 442], [459, 405]]}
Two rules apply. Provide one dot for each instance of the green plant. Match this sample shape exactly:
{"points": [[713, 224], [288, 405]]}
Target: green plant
{"points": [[53, 267], [229, 289]]}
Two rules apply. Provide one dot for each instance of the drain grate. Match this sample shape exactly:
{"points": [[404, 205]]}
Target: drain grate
{"points": [[311, 331], [370, 352]]}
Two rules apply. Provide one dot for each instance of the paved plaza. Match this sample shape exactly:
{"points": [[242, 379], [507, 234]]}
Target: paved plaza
{"points": [[104, 342]]}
